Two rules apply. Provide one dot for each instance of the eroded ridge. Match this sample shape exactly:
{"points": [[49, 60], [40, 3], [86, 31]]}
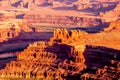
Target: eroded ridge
{"points": [[63, 20], [43, 61], [64, 57]]}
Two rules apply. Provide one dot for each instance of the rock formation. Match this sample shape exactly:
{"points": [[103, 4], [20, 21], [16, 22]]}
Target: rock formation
{"points": [[39, 60], [62, 35], [61, 20], [62, 59], [107, 72], [9, 30]]}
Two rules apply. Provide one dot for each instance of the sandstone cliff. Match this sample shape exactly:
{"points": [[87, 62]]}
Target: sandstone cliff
{"points": [[64, 36], [42, 61], [62, 20], [64, 57]]}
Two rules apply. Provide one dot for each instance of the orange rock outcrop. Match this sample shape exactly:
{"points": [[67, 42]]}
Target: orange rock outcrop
{"points": [[63, 57], [64, 36], [42, 61]]}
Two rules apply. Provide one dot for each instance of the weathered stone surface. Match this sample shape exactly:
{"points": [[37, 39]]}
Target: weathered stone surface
{"points": [[64, 60], [61, 20], [40, 60], [107, 72], [62, 35]]}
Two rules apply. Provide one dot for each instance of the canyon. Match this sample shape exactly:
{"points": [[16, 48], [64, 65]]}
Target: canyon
{"points": [[66, 56], [59, 39]]}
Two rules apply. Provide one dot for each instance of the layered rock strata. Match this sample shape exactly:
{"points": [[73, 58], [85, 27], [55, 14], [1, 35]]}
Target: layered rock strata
{"points": [[62, 20], [42, 61], [63, 58]]}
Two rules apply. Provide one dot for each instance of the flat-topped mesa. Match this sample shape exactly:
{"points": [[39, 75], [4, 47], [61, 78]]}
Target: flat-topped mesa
{"points": [[114, 25], [62, 35]]}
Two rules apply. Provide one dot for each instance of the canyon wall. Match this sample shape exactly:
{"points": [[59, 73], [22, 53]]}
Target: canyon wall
{"points": [[42, 61], [64, 58], [62, 20]]}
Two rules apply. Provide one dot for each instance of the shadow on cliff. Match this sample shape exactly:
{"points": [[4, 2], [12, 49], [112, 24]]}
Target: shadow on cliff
{"points": [[4, 61], [93, 29], [16, 3], [89, 29], [61, 50], [63, 59], [23, 38], [45, 4], [102, 9], [99, 56], [21, 16], [64, 8], [95, 57]]}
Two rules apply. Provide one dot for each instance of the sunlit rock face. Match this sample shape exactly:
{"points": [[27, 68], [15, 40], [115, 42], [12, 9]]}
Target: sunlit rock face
{"points": [[63, 57], [42, 61], [64, 36]]}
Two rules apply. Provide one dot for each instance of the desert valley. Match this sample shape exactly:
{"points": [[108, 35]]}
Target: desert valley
{"points": [[59, 40]]}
